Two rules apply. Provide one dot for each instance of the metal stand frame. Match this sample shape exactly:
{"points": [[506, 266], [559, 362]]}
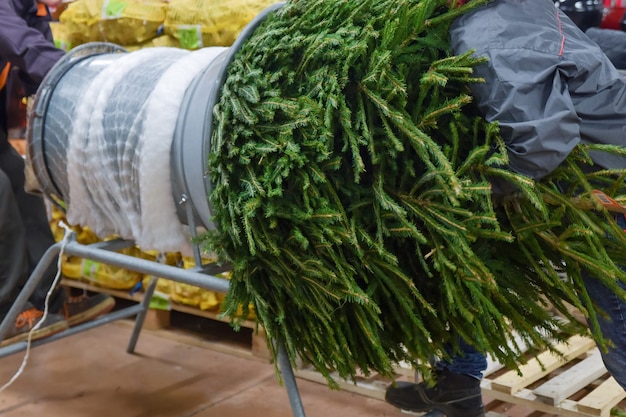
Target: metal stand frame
{"points": [[104, 252]]}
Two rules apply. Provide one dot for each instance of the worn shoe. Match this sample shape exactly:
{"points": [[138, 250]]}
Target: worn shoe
{"points": [[84, 308], [28, 319], [454, 395]]}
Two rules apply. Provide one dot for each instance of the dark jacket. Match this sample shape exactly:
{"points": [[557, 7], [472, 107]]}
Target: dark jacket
{"points": [[25, 42], [547, 84]]}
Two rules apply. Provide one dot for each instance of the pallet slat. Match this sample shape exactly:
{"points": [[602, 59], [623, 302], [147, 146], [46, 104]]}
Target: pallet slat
{"points": [[572, 380], [527, 398], [541, 365], [372, 389], [602, 399]]}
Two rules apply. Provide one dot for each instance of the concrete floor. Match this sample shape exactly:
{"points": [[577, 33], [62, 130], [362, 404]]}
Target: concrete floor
{"points": [[91, 375]]}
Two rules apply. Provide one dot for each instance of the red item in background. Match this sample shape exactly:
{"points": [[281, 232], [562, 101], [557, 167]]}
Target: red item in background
{"points": [[613, 19], [613, 14]]}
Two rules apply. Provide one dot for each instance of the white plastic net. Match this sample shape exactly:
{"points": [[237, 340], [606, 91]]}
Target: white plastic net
{"points": [[118, 157]]}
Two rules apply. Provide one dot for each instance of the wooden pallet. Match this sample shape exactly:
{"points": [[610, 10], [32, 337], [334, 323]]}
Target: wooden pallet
{"points": [[574, 385], [190, 325]]}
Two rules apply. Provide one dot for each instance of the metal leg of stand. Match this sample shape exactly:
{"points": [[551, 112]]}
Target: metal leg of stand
{"points": [[290, 382], [141, 316], [32, 283]]}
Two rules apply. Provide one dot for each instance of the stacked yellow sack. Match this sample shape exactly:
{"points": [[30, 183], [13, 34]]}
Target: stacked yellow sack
{"points": [[187, 294], [201, 298], [124, 22], [191, 295], [94, 272], [61, 36], [201, 23], [159, 41], [105, 275]]}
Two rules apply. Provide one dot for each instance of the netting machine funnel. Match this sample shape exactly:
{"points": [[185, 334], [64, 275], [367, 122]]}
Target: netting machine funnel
{"points": [[121, 140]]}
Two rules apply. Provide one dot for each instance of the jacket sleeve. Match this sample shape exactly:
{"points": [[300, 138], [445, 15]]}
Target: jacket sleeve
{"points": [[526, 94], [25, 47]]}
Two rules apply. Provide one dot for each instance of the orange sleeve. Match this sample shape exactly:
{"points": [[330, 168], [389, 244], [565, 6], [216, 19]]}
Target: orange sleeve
{"points": [[42, 10], [4, 74]]}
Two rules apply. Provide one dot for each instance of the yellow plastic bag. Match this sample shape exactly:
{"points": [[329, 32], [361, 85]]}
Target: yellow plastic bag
{"points": [[124, 22], [103, 275], [192, 295], [62, 39], [80, 22], [160, 41], [201, 23]]}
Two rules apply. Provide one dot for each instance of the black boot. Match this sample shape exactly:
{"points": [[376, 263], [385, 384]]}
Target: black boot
{"points": [[454, 395]]}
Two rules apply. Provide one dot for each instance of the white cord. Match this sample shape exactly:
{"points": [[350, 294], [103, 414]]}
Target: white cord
{"points": [[19, 372]]}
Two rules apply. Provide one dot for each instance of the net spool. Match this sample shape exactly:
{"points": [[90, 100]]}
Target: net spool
{"points": [[121, 139]]}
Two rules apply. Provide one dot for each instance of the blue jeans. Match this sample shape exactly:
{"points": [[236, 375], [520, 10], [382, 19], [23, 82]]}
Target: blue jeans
{"points": [[612, 324], [471, 362]]}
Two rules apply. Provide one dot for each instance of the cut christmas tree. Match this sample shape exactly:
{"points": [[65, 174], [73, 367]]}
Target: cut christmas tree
{"points": [[349, 171]]}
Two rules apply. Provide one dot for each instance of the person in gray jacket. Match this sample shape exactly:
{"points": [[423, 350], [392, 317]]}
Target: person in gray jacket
{"points": [[549, 87], [27, 52]]}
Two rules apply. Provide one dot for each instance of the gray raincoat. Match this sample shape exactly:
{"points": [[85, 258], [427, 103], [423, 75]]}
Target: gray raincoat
{"points": [[547, 84]]}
